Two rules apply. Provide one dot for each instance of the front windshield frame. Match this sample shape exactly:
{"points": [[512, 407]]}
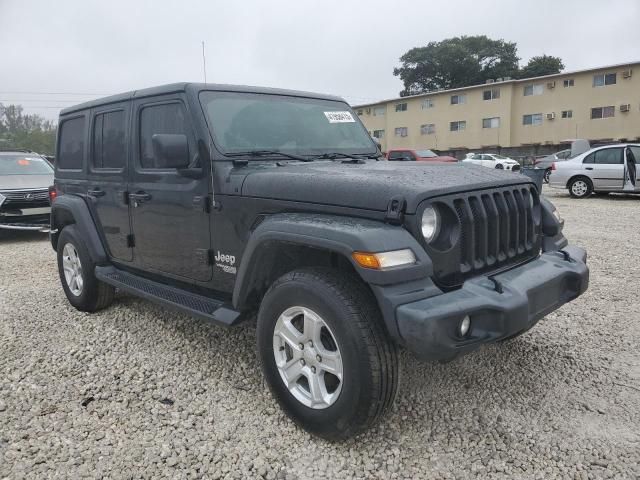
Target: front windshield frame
{"points": [[367, 147], [30, 158]]}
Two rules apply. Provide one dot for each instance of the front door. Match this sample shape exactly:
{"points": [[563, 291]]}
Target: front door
{"points": [[606, 168], [168, 210], [107, 177]]}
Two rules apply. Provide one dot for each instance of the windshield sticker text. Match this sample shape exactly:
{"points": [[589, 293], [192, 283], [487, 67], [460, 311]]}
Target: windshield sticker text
{"points": [[339, 117]]}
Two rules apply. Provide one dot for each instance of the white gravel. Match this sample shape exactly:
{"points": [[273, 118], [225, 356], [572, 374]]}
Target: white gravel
{"points": [[138, 391]]}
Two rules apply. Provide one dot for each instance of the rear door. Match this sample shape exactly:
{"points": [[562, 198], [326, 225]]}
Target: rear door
{"points": [[107, 177], [169, 214], [605, 167]]}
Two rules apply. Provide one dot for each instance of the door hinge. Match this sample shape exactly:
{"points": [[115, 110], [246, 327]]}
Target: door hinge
{"points": [[395, 210], [205, 256], [131, 241]]}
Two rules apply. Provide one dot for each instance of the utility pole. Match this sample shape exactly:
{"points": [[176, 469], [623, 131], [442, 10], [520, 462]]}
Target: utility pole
{"points": [[204, 63]]}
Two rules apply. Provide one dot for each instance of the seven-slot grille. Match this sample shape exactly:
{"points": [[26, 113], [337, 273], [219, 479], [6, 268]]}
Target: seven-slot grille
{"points": [[497, 228]]}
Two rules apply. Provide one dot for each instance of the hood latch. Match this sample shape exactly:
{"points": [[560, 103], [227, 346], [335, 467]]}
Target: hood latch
{"points": [[395, 210]]}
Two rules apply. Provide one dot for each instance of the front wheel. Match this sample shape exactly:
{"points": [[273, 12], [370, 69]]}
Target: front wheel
{"points": [[499, 166], [580, 187], [325, 354], [547, 175]]}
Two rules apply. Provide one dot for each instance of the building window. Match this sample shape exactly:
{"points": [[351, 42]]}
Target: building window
{"points": [[457, 126], [491, 94], [359, 112], [567, 114], [458, 99], [427, 103], [379, 134], [534, 89], [603, 112], [568, 83], [428, 129], [401, 132], [532, 119], [493, 122], [379, 111], [604, 79], [401, 107]]}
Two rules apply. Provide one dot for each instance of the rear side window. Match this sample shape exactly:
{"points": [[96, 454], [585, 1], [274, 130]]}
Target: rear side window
{"points": [[608, 156], [71, 149], [167, 118], [109, 149]]}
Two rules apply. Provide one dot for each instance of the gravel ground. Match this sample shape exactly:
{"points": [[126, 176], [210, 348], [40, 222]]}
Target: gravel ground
{"points": [[138, 391]]}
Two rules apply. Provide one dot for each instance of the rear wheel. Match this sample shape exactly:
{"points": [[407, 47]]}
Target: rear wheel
{"points": [[76, 269], [325, 355], [580, 187]]}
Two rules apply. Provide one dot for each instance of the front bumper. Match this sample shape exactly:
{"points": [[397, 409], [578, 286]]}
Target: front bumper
{"points": [[499, 307], [35, 219]]}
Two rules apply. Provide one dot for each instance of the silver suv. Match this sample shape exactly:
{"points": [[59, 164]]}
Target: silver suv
{"points": [[612, 168]]}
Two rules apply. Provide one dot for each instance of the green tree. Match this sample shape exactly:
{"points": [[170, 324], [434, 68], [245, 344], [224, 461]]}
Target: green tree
{"points": [[541, 65], [456, 62], [24, 131]]}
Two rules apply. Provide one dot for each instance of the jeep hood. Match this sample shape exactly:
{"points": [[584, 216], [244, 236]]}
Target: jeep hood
{"points": [[371, 185]]}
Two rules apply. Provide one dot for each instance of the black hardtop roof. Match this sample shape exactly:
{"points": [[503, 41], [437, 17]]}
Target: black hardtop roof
{"points": [[192, 87]]}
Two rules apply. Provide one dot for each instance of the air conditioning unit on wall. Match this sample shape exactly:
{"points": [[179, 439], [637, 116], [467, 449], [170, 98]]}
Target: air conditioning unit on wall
{"points": [[627, 73], [551, 84], [625, 108], [551, 116]]}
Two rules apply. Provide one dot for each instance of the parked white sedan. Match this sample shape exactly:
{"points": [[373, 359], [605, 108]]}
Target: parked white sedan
{"points": [[493, 160]]}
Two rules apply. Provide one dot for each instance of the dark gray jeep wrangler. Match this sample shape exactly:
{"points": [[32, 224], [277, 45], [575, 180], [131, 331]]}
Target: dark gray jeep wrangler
{"points": [[223, 201]]}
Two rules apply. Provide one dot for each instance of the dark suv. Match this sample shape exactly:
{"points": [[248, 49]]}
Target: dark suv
{"points": [[225, 202]]}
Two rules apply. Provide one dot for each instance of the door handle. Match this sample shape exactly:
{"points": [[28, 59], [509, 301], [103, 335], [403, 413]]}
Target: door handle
{"points": [[139, 197], [588, 168], [96, 193]]}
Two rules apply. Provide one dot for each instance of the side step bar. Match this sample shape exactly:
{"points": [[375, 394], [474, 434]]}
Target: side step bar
{"points": [[191, 303]]}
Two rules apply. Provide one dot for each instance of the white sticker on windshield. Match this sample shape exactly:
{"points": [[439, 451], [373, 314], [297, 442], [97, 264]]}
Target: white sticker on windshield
{"points": [[339, 117]]}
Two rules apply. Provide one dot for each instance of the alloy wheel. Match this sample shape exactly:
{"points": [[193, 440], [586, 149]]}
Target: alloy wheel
{"points": [[579, 188], [308, 358], [72, 269]]}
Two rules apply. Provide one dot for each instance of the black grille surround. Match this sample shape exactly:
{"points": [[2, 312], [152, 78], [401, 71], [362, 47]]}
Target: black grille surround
{"points": [[20, 199], [484, 232]]}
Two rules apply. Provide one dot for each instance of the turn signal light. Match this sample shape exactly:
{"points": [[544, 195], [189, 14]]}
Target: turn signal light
{"points": [[383, 260]]}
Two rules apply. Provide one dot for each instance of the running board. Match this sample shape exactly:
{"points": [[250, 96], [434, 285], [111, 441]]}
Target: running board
{"points": [[187, 302]]}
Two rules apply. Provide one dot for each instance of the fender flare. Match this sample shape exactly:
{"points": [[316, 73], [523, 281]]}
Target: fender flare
{"points": [[336, 234], [70, 209]]}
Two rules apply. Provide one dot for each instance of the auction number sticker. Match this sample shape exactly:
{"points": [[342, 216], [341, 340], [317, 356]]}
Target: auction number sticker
{"points": [[339, 117]]}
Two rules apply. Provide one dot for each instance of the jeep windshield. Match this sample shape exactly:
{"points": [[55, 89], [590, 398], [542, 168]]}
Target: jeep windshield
{"points": [[23, 165], [246, 122]]}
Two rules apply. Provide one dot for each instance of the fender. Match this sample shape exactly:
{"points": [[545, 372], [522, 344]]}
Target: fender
{"points": [[341, 235], [71, 209]]}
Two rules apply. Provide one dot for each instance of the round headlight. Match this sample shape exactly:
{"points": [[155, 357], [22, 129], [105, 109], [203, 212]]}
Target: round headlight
{"points": [[430, 224]]}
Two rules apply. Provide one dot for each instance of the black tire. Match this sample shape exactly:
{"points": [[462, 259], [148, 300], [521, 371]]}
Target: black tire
{"points": [[499, 166], [94, 295], [580, 187], [547, 175], [369, 358]]}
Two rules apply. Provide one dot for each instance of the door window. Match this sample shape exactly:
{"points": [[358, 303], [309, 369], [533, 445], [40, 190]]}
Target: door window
{"points": [[109, 150], [609, 156], [167, 118]]}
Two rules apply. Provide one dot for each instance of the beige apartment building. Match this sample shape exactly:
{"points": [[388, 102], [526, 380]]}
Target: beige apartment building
{"points": [[535, 115]]}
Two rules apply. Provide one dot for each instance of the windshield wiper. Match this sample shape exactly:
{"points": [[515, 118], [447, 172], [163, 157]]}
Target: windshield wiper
{"points": [[356, 157], [267, 153]]}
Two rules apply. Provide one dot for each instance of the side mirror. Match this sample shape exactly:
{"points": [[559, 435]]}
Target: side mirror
{"points": [[170, 150]]}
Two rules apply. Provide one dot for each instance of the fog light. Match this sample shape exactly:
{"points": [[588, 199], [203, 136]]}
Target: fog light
{"points": [[464, 326]]}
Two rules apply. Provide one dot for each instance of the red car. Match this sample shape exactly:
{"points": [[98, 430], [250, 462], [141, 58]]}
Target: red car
{"points": [[408, 155]]}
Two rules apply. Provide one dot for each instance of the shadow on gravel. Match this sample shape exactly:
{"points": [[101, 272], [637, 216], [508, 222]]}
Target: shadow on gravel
{"points": [[7, 237]]}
